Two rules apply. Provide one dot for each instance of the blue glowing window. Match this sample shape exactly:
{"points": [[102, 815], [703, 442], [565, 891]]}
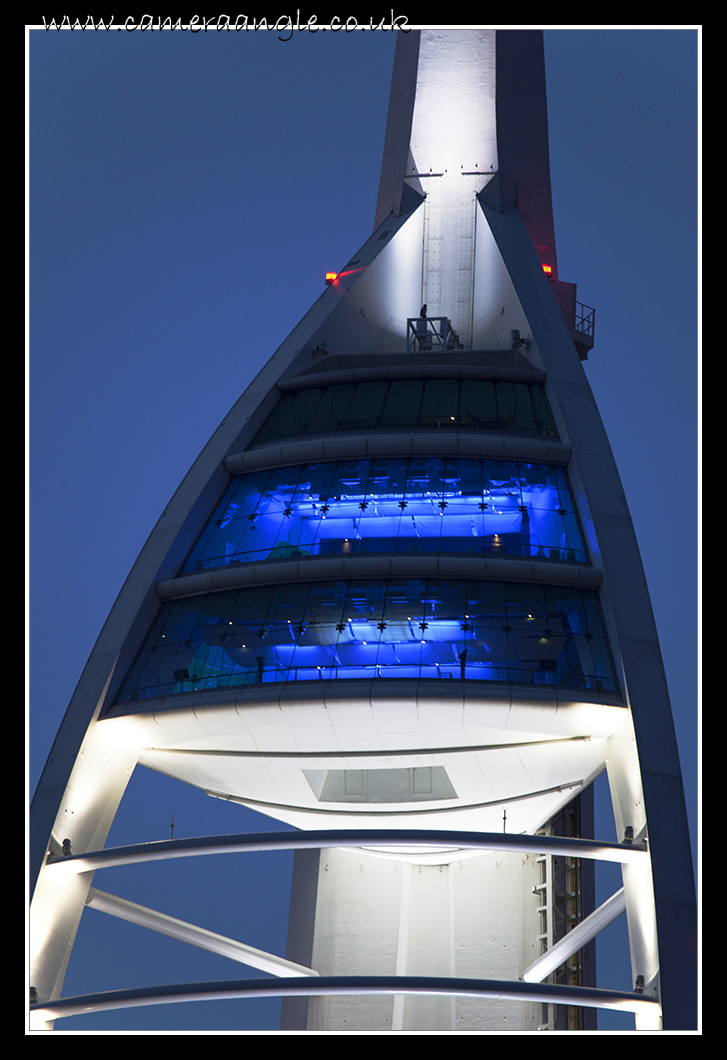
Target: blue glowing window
{"points": [[448, 630], [398, 505]]}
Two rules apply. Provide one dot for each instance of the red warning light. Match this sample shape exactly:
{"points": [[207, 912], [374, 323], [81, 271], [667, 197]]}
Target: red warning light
{"points": [[548, 269], [331, 277]]}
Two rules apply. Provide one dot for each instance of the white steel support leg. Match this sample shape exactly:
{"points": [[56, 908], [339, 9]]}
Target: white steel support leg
{"points": [[622, 763], [85, 814], [134, 913], [576, 939]]}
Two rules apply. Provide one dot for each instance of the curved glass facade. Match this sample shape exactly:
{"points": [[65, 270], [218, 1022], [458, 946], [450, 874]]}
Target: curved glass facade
{"points": [[399, 505], [487, 631], [405, 404]]}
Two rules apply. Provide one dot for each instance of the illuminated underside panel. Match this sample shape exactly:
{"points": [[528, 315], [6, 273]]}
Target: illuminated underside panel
{"points": [[283, 750]]}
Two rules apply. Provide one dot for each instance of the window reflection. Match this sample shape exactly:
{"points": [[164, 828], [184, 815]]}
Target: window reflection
{"points": [[512, 408], [485, 631], [399, 505]]}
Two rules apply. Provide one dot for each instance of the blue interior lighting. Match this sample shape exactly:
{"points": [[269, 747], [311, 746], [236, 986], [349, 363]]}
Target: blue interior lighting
{"points": [[396, 506], [487, 631]]}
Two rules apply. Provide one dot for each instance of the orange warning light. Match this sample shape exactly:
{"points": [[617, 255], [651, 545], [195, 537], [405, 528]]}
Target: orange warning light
{"points": [[548, 270], [331, 277]]}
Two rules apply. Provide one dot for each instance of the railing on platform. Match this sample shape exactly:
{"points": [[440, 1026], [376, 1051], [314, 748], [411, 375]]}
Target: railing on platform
{"points": [[581, 321], [431, 333], [513, 990], [44, 1011]]}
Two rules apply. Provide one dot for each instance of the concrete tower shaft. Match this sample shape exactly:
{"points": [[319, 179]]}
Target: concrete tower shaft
{"points": [[451, 113]]}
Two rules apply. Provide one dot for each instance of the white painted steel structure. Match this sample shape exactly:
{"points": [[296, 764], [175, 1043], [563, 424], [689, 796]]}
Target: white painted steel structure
{"points": [[464, 228]]}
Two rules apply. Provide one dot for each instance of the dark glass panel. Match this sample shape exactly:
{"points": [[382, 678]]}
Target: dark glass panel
{"points": [[403, 404], [291, 421], [478, 405], [330, 413], [280, 414], [506, 403], [440, 404], [366, 405], [543, 419]]}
